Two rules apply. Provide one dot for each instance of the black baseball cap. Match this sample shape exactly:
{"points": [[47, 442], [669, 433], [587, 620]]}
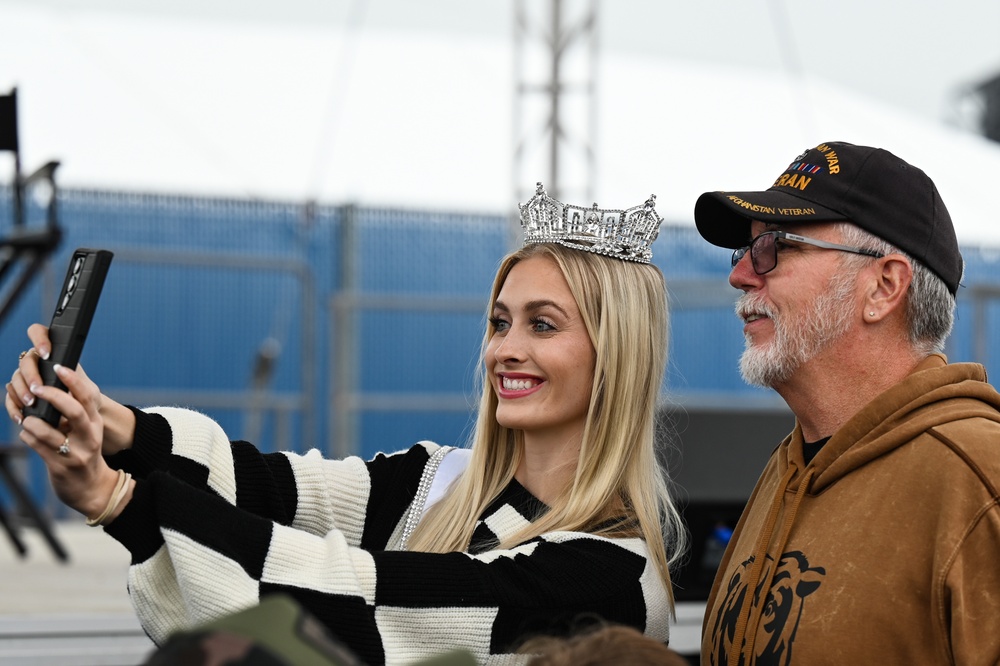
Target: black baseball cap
{"points": [[839, 181]]}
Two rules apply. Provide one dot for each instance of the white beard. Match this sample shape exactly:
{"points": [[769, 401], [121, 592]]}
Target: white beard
{"points": [[798, 339]]}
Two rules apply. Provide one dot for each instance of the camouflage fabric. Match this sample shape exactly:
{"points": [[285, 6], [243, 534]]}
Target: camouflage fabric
{"points": [[277, 632]]}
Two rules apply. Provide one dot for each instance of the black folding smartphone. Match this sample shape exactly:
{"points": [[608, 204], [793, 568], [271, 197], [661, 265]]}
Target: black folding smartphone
{"points": [[71, 321]]}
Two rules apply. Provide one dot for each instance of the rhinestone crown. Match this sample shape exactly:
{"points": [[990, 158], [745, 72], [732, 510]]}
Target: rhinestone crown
{"points": [[622, 234]]}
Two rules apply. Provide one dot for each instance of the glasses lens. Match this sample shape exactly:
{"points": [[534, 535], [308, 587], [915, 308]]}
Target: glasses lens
{"points": [[764, 253], [738, 254]]}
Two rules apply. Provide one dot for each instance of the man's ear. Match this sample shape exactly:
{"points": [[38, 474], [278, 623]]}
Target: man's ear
{"points": [[892, 275]]}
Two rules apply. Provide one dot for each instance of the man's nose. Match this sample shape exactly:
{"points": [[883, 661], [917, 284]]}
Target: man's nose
{"points": [[743, 276]]}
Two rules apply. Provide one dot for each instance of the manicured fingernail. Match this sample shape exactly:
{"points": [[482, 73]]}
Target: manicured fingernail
{"points": [[43, 352], [60, 370], [17, 419], [29, 399], [36, 389]]}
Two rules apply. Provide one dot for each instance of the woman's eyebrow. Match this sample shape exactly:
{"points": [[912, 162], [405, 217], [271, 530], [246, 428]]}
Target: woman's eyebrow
{"points": [[532, 306]]}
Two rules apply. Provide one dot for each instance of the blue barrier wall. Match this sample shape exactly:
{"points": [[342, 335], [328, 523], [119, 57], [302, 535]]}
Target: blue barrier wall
{"points": [[199, 285]]}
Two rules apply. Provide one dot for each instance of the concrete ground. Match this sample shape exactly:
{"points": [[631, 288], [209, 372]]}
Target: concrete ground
{"points": [[74, 613]]}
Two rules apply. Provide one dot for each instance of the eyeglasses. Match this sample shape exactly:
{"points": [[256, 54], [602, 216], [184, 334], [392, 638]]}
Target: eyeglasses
{"points": [[764, 249]]}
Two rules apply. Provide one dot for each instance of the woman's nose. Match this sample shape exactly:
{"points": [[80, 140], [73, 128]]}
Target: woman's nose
{"points": [[511, 348]]}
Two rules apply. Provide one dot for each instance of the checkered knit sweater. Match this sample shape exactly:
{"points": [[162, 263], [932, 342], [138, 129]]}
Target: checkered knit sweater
{"points": [[215, 525]]}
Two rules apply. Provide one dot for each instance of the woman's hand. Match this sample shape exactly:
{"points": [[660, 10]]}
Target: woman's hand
{"points": [[26, 375], [72, 453], [119, 421]]}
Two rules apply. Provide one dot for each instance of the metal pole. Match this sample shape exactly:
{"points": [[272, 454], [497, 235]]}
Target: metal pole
{"points": [[980, 342], [520, 25], [557, 29], [555, 129], [344, 430], [591, 88]]}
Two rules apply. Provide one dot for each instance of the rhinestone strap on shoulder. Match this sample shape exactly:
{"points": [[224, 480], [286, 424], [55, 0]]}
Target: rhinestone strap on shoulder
{"points": [[416, 511]]}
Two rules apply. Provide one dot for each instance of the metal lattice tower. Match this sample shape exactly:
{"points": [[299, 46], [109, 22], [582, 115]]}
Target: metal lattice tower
{"points": [[555, 65]]}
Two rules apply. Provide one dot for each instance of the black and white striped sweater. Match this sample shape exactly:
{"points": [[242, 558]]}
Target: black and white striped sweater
{"points": [[214, 525]]}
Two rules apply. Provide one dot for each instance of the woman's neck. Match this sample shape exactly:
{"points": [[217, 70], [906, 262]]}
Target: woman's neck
{"points": [[547, 466]]}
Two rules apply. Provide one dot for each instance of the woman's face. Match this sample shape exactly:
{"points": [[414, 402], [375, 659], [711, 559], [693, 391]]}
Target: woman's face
{"points": [[540, 360]]}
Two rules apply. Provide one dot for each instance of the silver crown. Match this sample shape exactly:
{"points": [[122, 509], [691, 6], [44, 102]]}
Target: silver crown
{"points": [[622, 234]]}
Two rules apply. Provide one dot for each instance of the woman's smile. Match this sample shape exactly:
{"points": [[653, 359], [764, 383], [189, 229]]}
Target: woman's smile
{"points": [[516, 385]]}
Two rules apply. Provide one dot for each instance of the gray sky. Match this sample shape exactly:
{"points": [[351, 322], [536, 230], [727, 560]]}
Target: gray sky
{"points": [[917, 54], [413, 105]]}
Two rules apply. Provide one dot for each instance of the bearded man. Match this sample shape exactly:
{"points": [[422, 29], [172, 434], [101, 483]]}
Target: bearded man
{"points": [[873, 534]]}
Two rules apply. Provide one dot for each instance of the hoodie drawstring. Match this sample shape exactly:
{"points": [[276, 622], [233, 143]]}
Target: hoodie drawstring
{"points": [[757, 566]]}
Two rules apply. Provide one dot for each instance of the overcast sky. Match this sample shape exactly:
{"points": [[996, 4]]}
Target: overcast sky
{"points": [[408, 102], [918, 54]]}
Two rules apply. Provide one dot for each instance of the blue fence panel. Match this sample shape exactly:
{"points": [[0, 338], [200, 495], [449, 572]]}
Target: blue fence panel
{"points": [[200, 286]]}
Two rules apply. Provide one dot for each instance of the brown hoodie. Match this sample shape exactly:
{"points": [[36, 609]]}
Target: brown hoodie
{"points": [[885, 549]]}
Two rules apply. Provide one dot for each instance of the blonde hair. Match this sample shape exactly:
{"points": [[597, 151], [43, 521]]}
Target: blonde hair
{"points": [[618, 474]]}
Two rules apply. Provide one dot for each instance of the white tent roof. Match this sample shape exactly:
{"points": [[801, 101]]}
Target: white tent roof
{"points": [[732, 130], [406, 119]]}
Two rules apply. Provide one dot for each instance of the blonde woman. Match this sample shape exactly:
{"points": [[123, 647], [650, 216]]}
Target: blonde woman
{"points": [[556, 514]]}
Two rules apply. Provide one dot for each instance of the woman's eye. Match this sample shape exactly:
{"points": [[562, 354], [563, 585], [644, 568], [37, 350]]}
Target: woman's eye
{"points": [[540, 326], [499, 325]]}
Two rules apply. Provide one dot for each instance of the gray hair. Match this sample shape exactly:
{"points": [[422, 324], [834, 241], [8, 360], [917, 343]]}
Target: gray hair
{"points": [[930, 307]]}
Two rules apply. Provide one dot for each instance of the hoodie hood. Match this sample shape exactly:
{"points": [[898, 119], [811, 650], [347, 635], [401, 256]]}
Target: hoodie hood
{"points": [[898, 415]]}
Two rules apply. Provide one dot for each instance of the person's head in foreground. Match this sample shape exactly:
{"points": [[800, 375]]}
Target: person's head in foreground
{"points": [[601, 645]]}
